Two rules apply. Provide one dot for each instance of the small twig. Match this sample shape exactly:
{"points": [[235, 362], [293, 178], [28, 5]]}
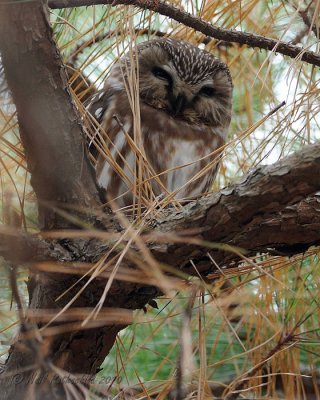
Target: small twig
{"points": [[27, 328], [138, 32], [198, 24], [184, 358], [105, 36], [274, 110], [15, 292], [236, 391], [306, 19], [298, 38]]}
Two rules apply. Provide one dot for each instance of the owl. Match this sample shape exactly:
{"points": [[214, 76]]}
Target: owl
{"points": [[161, 134]]}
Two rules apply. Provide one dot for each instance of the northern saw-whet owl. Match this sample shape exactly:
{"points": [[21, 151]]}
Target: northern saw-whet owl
{"points": [[185, 100]]}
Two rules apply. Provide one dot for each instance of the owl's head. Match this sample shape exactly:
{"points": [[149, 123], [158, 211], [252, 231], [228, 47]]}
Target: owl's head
{"points": [[183, 81]]}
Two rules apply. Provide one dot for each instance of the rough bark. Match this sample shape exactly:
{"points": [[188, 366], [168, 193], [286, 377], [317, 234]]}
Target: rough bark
{"points": [[49, 123], [61, 174]]}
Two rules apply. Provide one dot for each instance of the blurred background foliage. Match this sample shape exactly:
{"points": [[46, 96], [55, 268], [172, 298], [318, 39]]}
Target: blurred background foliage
{"points": [[235, 326]]}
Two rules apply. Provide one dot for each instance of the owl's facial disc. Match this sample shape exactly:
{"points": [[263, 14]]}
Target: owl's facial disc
{"points": [[176, 100], [180, 96], [186, 83]]}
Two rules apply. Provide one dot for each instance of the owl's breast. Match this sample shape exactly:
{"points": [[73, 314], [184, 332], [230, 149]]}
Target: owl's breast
{"points": [[182, 151], [183, 155]]}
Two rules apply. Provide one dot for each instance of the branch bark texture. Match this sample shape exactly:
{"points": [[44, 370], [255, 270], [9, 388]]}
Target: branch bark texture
{"points": [[227, 35], [61, 174], [49, 123], [272, 207], [266, 209]]}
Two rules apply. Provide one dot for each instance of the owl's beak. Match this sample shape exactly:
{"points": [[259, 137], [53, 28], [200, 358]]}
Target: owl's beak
{"points": [[178, 103]]}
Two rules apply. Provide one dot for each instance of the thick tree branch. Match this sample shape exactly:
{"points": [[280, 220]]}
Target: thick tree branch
{"points": [[61, 175], [18, 247], [268, 209], [294, 229], [49, 122], [199, 25]]}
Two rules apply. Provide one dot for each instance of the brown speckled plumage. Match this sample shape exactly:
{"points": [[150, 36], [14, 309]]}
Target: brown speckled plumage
{"points": [[185, 97]]}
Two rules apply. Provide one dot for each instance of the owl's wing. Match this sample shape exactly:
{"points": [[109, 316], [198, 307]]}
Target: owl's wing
{"points": [[96, 106]]}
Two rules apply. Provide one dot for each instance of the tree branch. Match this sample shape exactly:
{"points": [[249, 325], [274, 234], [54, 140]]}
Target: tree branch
{"points": [[199, 25], [294, 228], [19, 247], [268, 209], [138, 32], [49, 122]]}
